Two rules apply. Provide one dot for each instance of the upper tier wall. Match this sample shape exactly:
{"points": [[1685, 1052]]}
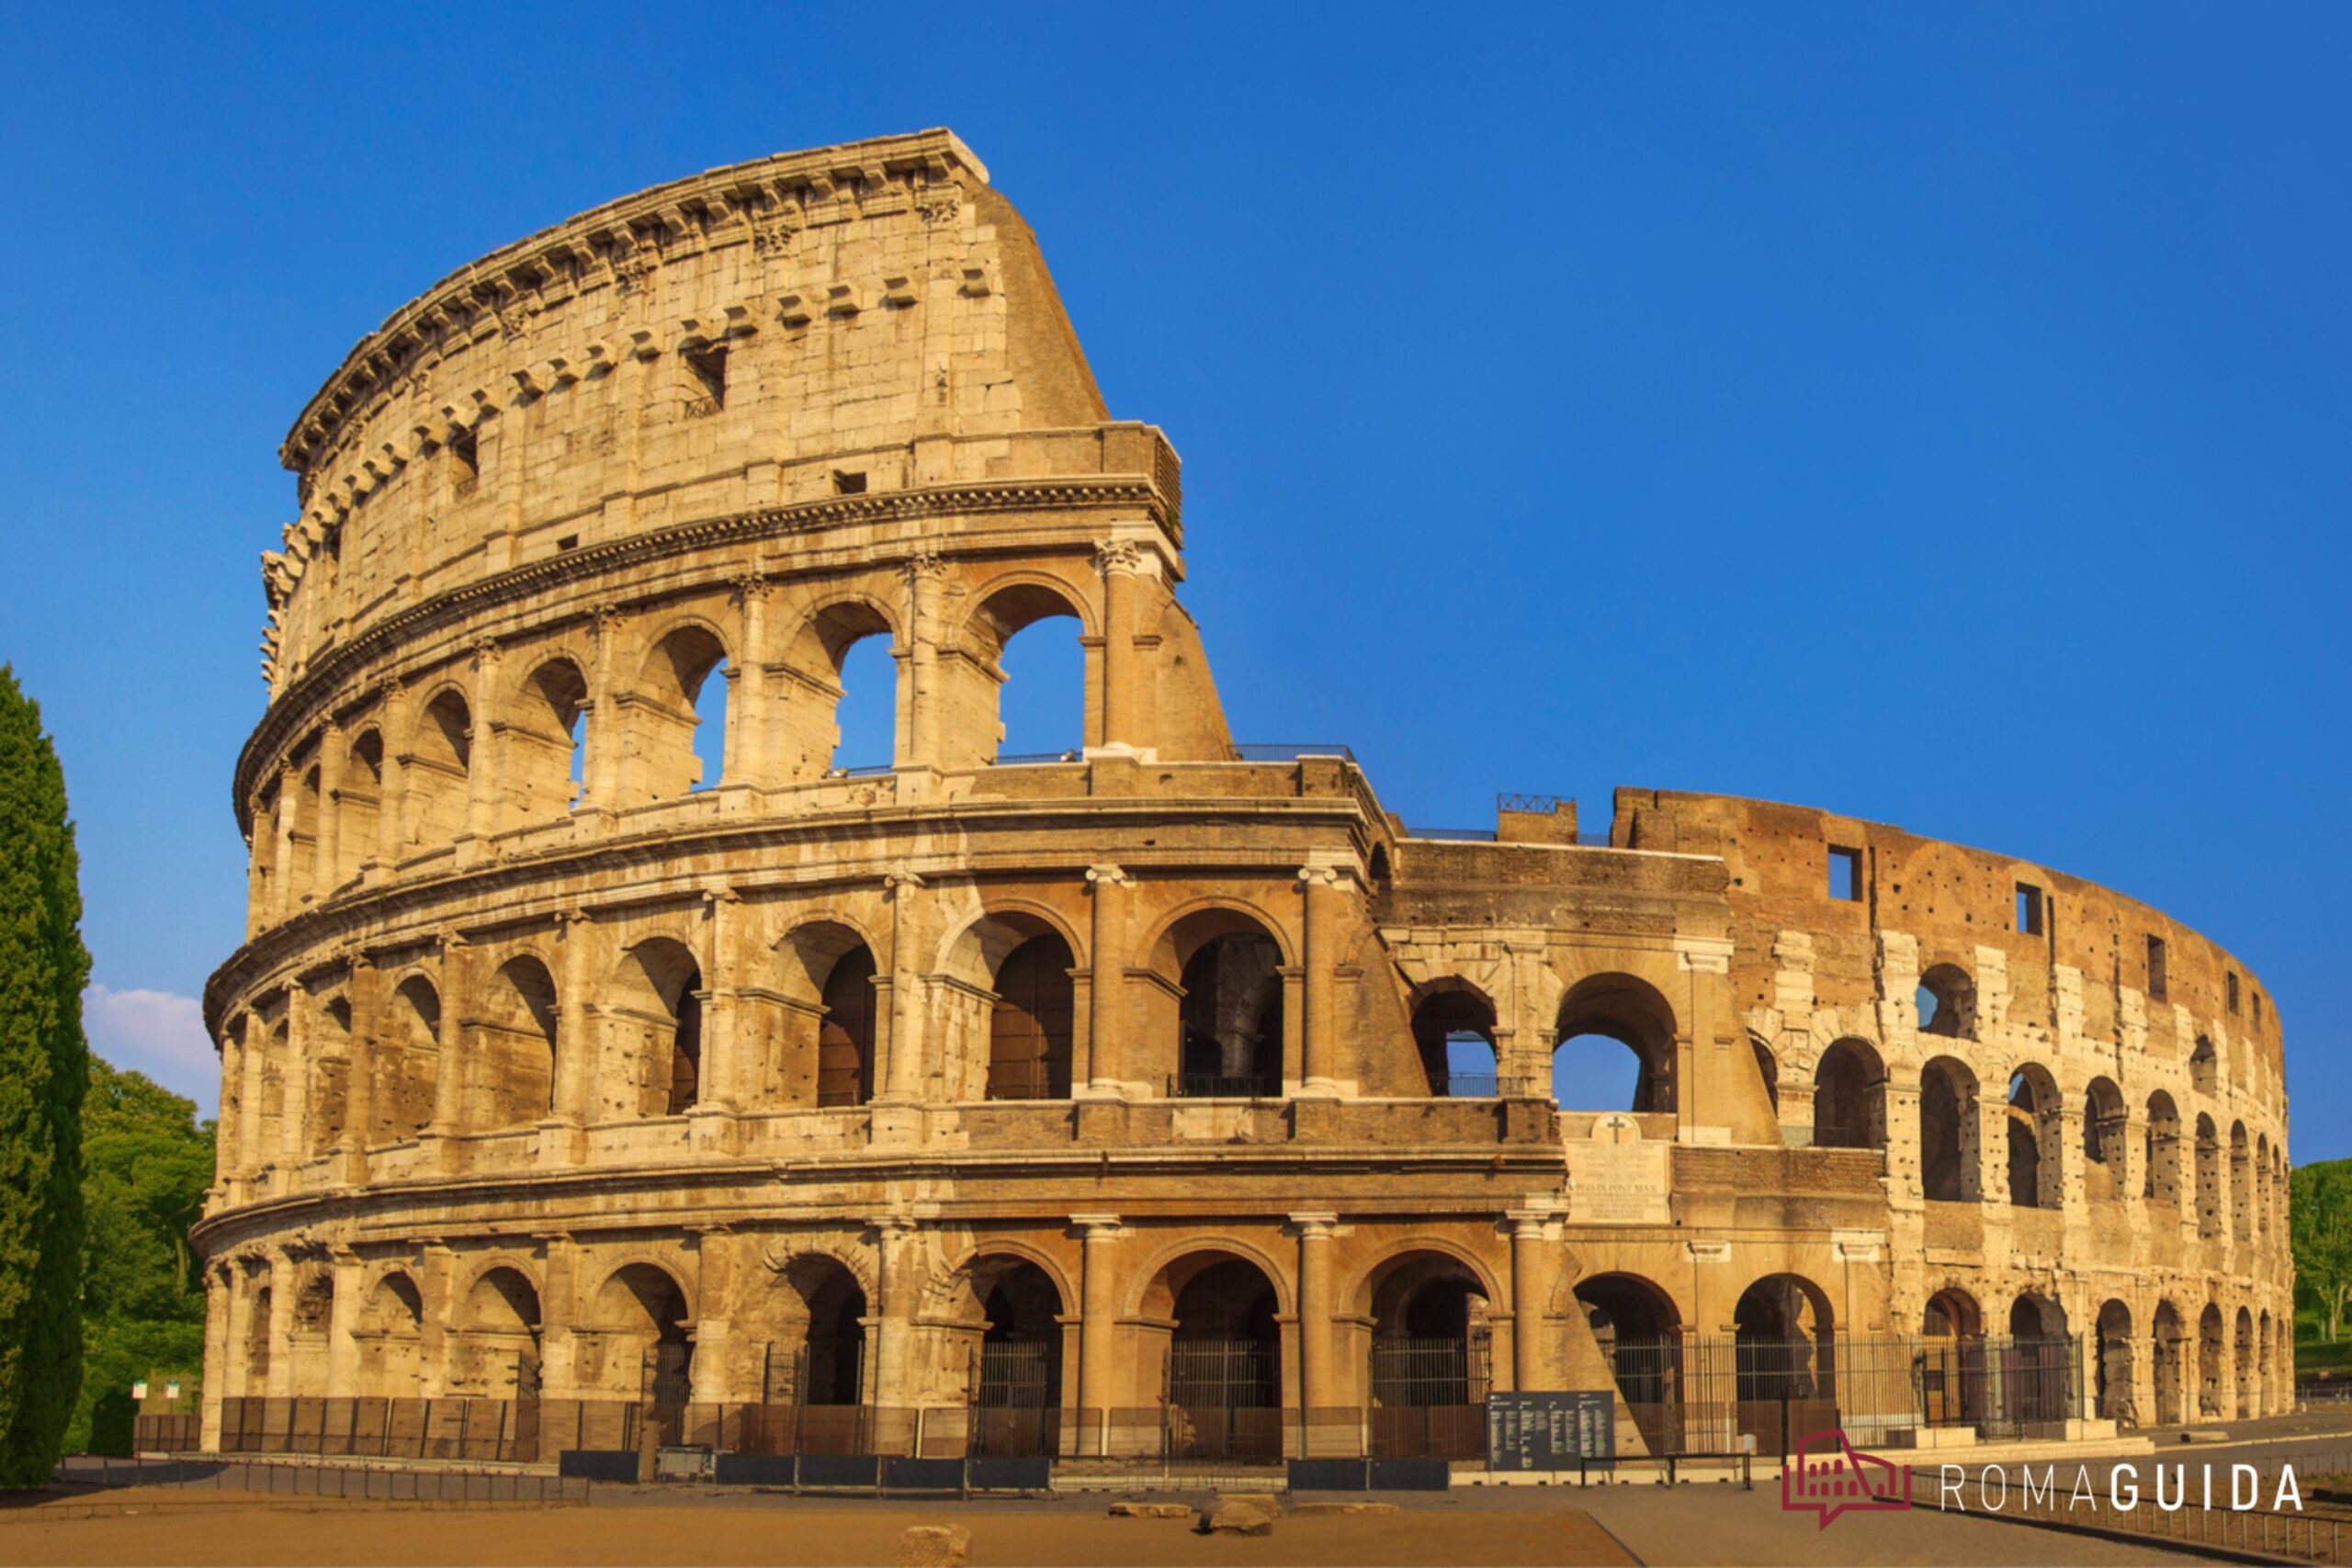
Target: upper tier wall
{"points": [[2085, 973], [859, 318]]}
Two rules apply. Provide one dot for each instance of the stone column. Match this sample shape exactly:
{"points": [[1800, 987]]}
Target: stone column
{"points": [[926, 578], [282, 1286], [559, 1315], [1992, 1139], [457, 1042], [343, 1349], [252, 1156], [294, 1114], [893, 1310], [1319, 1036], [326, 850], [359, 1088], [1104, 1067], [1098, 1325], [2069, 1160], [434, 1282], [722, 911], [228, 1146], [390, 803], [747, 701], [1122, 562], [575, 1045], [1317, 1388], [714, 1284], [600, 770], [483, 754], [285, 897], [217, 1357], [1531, 1272], [900, 1073]]}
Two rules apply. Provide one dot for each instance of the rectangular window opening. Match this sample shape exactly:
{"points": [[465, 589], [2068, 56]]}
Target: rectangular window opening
{"points": [[2229, 984], [467, 453], [848, 483], [2029, 908], [2156, 968], [708, 364], [569, 542], [1845, 874]]}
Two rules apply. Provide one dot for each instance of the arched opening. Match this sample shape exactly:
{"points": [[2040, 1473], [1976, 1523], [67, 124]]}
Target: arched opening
{"points": [[2208, 1178], [433, 773], [2242, 1350], [2262, 1187], [547, 744], [1850, 1098], [655, 1017], [1947, 1132], [2241, 1184], [1454, 1031], [258, 1339], [1639, 1334], [1017, 1361], [2267, 1358], [2203, 1067], [2167, 1354], [643, 1307], [846, 1031], [2033, 1135], [407, 1061], [1946, 1002], [1785, 1356], [679, 720], [2038, 1363], [1031, 1022], [2104, 1139], [328, 1114], [313, 1304], [1602, 1018], [2211, 1337], [390, 1332], [811, 1366], [1768, 1068], [1229, 1018], [2112, 1375], [1224, 1360], [1951, 1359], [358, 804], [513, 1082], [1429, 1336], [1034, 666], [305, 875], [866, 710], [2161, 1181], [494, 1350]]}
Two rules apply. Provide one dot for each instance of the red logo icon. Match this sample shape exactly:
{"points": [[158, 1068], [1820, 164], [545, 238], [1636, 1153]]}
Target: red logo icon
{"points": [[1830, 1476]]}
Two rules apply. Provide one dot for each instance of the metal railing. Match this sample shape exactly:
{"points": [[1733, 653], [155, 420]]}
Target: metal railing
{"points": [[1488, 1085], [1226, 1085], [1290, 751], [1466, 835], [1032, 759]]}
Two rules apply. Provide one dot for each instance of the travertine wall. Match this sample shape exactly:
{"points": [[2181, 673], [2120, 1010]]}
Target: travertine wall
{"points": [[535, 1083]]}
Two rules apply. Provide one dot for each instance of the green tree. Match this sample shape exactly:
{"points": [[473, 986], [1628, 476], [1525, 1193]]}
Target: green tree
{"points": [[2319, 1229], [44, 1071]]}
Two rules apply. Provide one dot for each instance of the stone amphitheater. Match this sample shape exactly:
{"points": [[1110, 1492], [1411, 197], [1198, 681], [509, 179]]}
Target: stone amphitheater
{"points": [[1165, 1095]]}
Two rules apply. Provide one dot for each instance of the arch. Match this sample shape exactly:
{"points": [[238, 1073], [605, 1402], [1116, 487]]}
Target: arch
{"points": [[2113, 1370], [406, 1063], [1953, 1382], [1453, 1030], [1631, 1012], [1228, 1016], [854, 718], [313, 1301], [494, 1348], [2167, 1361], [1011, 1308], [305, 876], [2034, 1139], [677, 723], [258, 1338], [1223, 1348], [512, 1072], [655, 1010], [1850, 1097], [1946, 1002], [2161, 1181], [434, 769], [1785, 1335], [1949, 1130], [358, 804], [2266, 1359], [2241, 1365], [645, 1305], [1031, 1022], [543, 763], [1637, 1328], [2033, 1315], [2203, 1067], [1045, 715], [1431, 1341], [1165, 1270], [2241, 1184], [2212, 1347], [814, 1317], [824, 1038], [2208, 1178], [2106, 1129], [2262, 1196]]}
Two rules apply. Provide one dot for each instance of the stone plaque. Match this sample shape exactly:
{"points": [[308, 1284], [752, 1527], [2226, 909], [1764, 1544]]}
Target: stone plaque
{"points": [[1614, 1183]]}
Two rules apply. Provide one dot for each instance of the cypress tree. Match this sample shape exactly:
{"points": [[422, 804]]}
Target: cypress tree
{"points": [[44, 1072]]}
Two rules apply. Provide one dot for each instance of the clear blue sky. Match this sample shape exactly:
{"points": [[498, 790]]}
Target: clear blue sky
{"points": [[1943, 414]]}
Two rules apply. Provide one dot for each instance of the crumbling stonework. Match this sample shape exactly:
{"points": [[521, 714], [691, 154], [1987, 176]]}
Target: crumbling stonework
{"points": [[799, 1087]]}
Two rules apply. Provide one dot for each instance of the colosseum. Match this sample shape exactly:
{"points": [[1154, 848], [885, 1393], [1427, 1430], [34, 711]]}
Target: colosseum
{"points": [[1167, 1096]]}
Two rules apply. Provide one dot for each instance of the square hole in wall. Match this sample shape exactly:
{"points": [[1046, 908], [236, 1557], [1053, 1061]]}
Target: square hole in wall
{"points": [[848, 483], [1845, 874], [2156, 968], [2029, 908]]}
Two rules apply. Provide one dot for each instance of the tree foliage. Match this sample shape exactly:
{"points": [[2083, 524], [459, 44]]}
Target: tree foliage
{"points": [[2319, 1227], [44, 1076]]}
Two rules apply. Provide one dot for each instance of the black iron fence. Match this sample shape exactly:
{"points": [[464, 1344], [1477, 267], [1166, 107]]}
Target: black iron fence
{"points": [[1226, 1085]]}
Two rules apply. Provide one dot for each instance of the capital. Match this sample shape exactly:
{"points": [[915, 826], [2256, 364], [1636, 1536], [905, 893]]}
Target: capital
{"points": [[1316, 1225], [1099, 876], [899, 882], [1095, 1227], [1115, 556], [927, 567]]}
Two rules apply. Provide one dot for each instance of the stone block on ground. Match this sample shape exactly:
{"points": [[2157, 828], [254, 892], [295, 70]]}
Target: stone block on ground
{"points": [[1324, 1510], [1236, 1518], [1132, 1510], [935, 1546]]}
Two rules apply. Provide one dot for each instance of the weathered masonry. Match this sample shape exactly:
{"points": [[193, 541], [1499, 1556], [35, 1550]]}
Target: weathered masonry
{"points": [[601, 1040]]}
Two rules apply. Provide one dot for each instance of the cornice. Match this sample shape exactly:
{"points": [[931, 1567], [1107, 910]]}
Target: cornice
{"points": [[299, 699], [618, 241]]}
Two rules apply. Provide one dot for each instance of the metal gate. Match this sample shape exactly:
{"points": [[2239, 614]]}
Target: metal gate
{"points": [[1224, 1400], [1016, 1398]]}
